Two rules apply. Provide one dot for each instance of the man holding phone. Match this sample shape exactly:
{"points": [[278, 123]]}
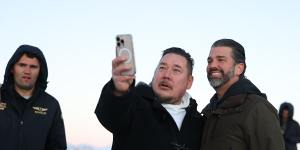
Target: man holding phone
{"points": [[158, 116]]}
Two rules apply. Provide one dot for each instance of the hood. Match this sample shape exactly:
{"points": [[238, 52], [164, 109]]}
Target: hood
{"points": [[242, 86], [42, 79], [287, 106]]}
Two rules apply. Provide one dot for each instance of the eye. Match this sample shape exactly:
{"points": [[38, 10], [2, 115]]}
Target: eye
{"points": [[222, 60], [22, 64], [161, 67], [209, 61], [33, 66], [177, 70]]}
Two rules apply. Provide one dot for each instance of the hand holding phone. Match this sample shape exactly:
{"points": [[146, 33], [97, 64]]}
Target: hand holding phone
{"points": [[124, 46]]}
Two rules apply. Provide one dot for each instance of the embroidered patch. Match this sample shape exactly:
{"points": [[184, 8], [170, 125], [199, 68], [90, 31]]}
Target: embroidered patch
{"points": [[40, 110], [2, 106]]}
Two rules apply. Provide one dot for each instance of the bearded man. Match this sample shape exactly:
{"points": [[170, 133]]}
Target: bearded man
{"points": [[238, 116]]}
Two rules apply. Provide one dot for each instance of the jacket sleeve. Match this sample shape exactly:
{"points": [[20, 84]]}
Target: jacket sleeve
{"points": [[114, 112], [56, 139], [263, 129], [295, 136]]}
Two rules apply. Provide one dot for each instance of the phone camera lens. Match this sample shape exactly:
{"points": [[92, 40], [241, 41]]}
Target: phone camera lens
{"points": [[118, 39], [122, 41]]}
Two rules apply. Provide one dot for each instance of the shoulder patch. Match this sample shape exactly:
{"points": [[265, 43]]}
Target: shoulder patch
{"points": [[2, 106]]}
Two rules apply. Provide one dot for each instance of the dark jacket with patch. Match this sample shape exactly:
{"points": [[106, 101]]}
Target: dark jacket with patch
{"points": [[139, 122], [30, 124], [242, 120], [290, 129]]}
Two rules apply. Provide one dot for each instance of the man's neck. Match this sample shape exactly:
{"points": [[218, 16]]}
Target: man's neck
{"points": [[224, 88], [25, 93]]}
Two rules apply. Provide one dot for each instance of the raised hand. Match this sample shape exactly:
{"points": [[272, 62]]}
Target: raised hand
{"points": [[121, 82]]}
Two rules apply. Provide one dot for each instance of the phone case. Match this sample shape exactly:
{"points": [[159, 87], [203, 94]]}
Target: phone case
{"points": [[124, 46]]}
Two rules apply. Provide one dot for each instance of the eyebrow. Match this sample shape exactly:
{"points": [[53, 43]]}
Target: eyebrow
{"points": [[31, 65], [162, 63], [217, 57], [176, 65], [221, 57]]}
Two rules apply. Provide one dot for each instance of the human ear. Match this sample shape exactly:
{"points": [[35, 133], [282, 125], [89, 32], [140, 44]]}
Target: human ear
{"points": [[190, 81], [239, 68]]}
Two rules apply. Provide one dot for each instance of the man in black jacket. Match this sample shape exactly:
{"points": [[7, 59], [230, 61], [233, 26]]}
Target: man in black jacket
{"points": [[159, 116], [290, 128], [30, 118]]}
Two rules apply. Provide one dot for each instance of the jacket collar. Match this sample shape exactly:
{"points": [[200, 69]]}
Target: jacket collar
{"points": [[147, 93], [230, 105], [242, 86]]}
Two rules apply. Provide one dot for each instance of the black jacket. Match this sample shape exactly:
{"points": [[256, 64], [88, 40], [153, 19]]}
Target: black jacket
{"points": [[290, 129], [33, 124], [139, 122], [242, 120]]}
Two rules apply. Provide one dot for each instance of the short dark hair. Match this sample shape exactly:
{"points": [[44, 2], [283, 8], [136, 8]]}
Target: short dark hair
{"points": [[238, 51], [181, 52], [30, 55]]}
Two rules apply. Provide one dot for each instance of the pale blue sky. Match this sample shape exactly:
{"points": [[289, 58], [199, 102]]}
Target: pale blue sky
{"points": [[78, 39]]}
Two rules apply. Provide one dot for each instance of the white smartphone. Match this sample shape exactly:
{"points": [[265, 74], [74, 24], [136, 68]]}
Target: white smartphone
{"points": [[124, 46]]}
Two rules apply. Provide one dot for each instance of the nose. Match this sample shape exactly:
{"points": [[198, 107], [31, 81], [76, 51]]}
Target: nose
{"points": [[167, 73], [212, 65], [27, 70]]}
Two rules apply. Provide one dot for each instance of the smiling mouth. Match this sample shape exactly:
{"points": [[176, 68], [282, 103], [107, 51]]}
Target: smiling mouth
{"points": [[215, 73]]}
